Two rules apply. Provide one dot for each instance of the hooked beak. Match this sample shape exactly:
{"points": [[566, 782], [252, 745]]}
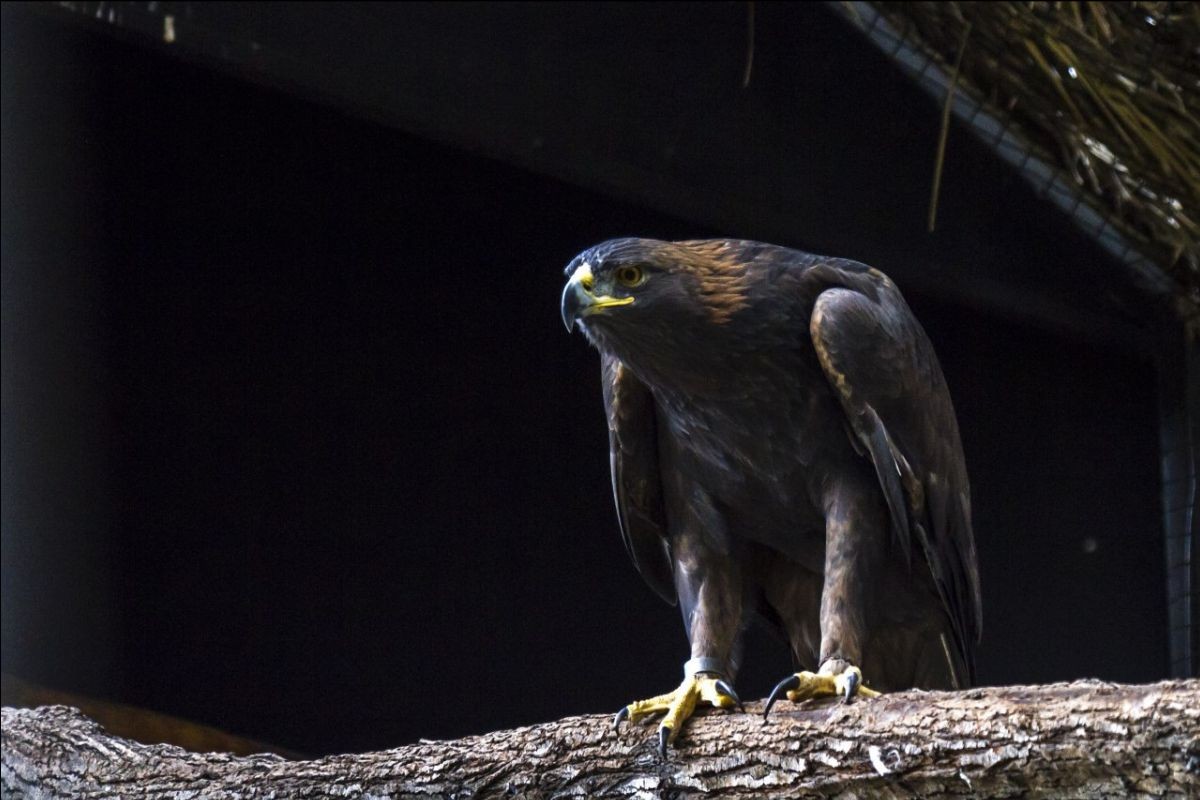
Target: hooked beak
{"points": [[578, 300]]}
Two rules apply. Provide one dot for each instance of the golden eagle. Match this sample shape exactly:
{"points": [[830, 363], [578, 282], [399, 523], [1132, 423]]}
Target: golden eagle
{"points": [[783, 444]]}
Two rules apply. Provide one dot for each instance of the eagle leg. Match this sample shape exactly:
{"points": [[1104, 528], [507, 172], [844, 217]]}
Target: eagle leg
{"points": [[855, 534], [679, 705], [829, 682]]}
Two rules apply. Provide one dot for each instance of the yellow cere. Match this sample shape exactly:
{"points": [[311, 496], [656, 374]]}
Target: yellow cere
{"points": [[584, 275]]}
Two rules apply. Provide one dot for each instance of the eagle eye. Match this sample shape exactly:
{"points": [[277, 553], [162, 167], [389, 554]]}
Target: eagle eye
{"points": [[630, 275]]}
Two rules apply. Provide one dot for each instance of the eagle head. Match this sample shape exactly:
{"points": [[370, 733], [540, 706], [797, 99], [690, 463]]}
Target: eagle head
{"points": [[644, 295]]}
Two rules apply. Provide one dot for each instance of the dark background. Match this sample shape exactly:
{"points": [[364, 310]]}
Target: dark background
{"points": [[294, 442]]}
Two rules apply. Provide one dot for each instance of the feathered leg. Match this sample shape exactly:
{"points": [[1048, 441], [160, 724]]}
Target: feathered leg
{"points": [[710, 588], [855, 539]]}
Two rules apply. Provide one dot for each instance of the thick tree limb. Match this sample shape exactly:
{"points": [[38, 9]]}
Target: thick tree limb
{"points": [[130, 722], [1084, 739]]}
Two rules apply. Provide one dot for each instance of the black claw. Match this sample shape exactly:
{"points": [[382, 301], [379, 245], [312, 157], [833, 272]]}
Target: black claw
{"points": [[664, 738], [783, 687], [852, 682], [727, 690], [621, 716]]}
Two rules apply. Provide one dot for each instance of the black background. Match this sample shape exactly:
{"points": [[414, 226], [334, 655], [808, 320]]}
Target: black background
{"points": [[295, 443]]}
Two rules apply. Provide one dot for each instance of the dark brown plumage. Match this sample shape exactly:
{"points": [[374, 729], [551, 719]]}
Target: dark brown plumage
{"points": [[783, 443]]}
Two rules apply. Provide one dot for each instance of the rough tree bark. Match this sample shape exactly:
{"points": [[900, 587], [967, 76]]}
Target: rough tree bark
{"points": [[1083, 739]]}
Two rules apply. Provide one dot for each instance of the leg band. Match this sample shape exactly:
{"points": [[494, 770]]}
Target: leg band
{"points": [[695, 666]]}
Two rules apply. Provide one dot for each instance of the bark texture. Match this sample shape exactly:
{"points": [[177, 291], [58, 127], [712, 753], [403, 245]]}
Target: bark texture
{"points": [[130, 722], [1083, 739]]}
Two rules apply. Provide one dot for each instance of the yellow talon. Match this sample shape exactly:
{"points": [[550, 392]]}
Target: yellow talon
{"points": [[680, 704], [813, 685], [809, 685], [681, 709], [713, 693]]}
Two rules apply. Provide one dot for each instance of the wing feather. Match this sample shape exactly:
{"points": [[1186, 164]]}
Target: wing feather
{"points": [[882, 367], [637, 486]]}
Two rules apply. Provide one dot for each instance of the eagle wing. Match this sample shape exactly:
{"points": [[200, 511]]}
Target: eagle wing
{"points": [[882, 367], [637, 487]]}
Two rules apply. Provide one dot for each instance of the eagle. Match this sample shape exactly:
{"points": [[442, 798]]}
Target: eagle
{"points": [[784, 447]]}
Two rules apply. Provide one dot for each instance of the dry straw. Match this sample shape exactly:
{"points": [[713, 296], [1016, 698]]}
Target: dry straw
{"points": [[1110, 91]]}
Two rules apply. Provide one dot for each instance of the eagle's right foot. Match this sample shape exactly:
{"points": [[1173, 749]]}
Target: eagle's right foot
{"points": [[679, 706]]}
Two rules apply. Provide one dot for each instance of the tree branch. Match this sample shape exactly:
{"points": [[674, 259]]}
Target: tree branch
{"points": [[1064, 740]]}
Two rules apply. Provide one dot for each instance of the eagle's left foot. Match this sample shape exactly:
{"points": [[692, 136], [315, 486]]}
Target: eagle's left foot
{"points": [[679, 706], [829, 682]]}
